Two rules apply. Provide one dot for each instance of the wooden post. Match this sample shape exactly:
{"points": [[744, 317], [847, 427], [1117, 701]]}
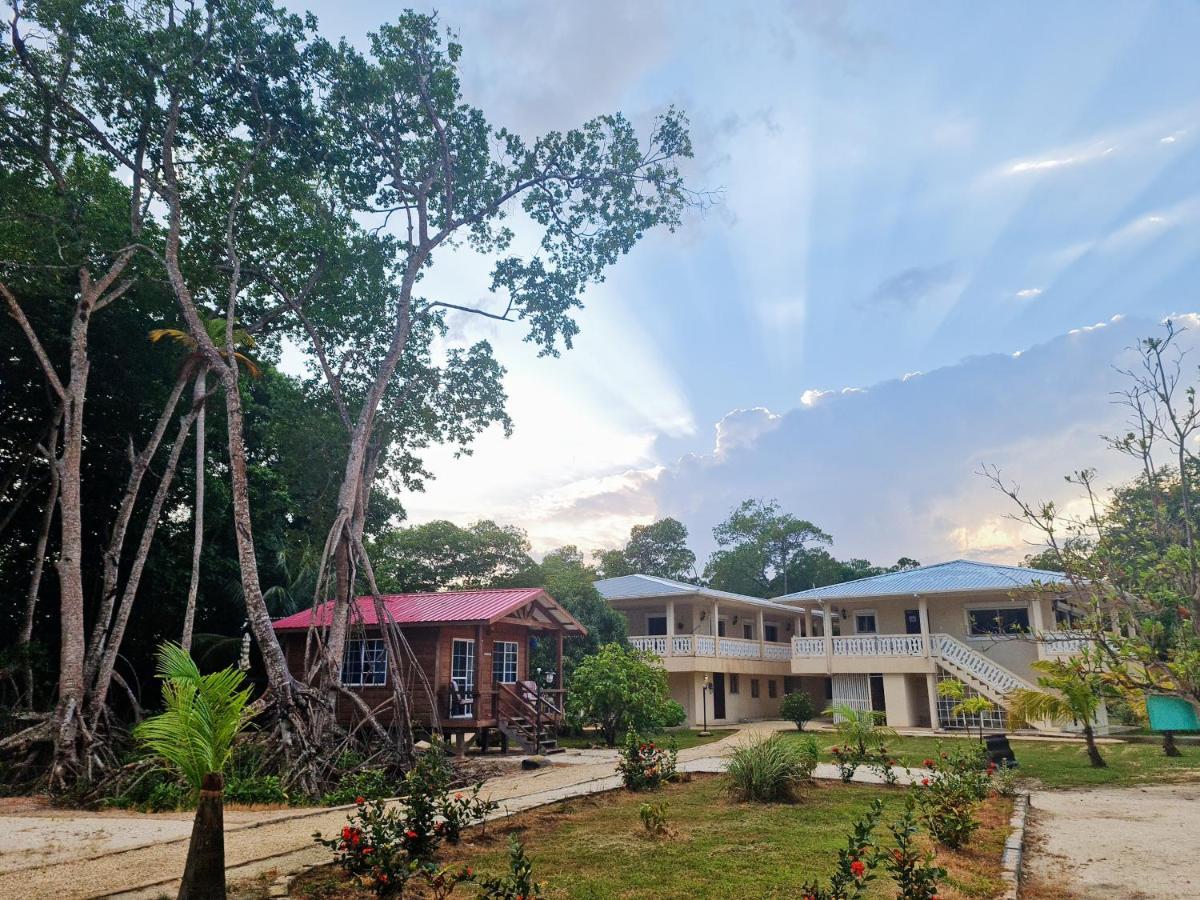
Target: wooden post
{"points": [[561, 686], [476, 707], [204, 872]]}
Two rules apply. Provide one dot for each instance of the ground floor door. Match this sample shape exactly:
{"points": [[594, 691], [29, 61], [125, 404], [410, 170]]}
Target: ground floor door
{"points": [[718, 695], [878, 703], [462, 674]]}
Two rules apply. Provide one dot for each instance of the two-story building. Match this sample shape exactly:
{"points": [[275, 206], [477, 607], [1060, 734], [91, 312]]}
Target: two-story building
{"points": [[884, 642], [727, 656], [881, 643]]}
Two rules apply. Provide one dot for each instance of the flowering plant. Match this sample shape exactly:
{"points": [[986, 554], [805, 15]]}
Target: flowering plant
{"points": [[461, 810], [856, 863], [847, 759], [645, 766], [913, 870], [518, 884]]}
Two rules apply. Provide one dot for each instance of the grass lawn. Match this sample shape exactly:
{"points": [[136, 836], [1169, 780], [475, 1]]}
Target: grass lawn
{"points": [[596, 846], [1064, 764], [688, 737]]}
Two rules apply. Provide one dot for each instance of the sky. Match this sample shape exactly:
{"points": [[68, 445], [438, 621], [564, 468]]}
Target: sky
{"points": [[940, 226]]}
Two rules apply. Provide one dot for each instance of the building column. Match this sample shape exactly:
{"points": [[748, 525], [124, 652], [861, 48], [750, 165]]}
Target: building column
{"points": [[923, 615], [808, 622], [762, 632], [1037, 624], [716, 614], [670, 627], [931, 688], [828, 637]]}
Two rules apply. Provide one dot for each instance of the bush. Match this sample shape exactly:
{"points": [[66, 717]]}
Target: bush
{"points": [[798, 707], [620, 689], [673, 714], [254, 789], [654, 817], [463, 810], [947, 803], [770, 770], [914, 871], [154, 790], [518, 884], [856, 863], [370, 784], [644, 765]]}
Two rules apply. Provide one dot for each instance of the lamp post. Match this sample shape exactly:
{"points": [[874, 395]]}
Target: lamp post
{"points": [[704, 703], [537, 733]]}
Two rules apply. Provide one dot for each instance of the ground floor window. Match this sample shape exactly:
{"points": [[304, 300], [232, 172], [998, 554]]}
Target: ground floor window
{"points": [[995, 719], [365, 663], [733, 684], [772, 689], [504, 662], [754, 688]]}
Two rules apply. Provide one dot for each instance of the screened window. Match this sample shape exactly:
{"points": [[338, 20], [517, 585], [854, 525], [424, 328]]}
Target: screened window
{"points": [[733, 684], [998, 621], [772, 689], [864, 623], [656, 625], [754, 688], [504, 662], [748, 631], [771, 633], [365, 663]]}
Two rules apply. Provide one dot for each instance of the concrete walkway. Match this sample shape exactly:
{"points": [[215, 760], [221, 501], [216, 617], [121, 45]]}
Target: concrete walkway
{"points": [[47, 854], [1138, 843]]}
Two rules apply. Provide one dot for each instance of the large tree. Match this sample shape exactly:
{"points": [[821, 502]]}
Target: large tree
{"points": [[659, 548], [756, 546]]}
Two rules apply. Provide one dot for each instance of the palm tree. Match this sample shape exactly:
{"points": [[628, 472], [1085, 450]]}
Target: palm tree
{"points": [[195, 735], [859, 727], [194, 360], [1070, 693]]}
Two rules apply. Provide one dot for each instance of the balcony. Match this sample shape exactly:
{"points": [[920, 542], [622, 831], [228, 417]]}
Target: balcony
{"points": [[704, 645]]}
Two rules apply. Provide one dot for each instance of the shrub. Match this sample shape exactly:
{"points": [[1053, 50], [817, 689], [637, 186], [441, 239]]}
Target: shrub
{"points": [[770, 770], [947, 803], [798, 707], [654, 817], [913, 870], [645, 766], [462, 810], [620, 689], [370, 784], [518, 884], [847, 759], [673, 714], [255, 789], [885, 765]]}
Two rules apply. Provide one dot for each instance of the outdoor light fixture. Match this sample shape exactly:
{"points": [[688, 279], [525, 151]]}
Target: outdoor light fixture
{"points": [[845, 615], [735, 618], [703, 615], [708, 686]]}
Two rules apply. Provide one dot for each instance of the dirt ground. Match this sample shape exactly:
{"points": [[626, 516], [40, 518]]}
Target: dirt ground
{"points": [[1139, 843]]}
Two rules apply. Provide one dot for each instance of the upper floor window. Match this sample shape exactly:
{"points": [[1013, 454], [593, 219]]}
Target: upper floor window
{"points": [[864, 622], [770, 633], [748, 631], [365, 662], [998, 621], [504, 662], [656, 625]]}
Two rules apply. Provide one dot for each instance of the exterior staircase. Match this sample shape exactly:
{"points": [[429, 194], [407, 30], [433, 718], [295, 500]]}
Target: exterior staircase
{"points": [[979, 672], [519, 719]]}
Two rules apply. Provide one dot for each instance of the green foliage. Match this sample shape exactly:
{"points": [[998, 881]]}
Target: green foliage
{"points": [[370, 784], [203, 715], [620, 689], [654, 818], [1072, 690], [255, 789], [644, 765], [860, 728], [658, 549], [798, 707], [438, 555], [772, 769], [947, 799], [518, 884]]}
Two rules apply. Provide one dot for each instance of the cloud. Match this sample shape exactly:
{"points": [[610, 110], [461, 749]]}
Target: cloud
{"points": [[912, 286], [894, 470], [1029, 293]]}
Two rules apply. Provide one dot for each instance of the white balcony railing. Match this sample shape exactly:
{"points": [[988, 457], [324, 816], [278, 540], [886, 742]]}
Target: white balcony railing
{"points": [[862, 645], [1063, 643], [706, 645]]}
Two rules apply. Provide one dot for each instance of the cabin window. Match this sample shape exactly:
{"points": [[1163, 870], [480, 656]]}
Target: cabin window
{"points": [[998, 621], [771, 633], [753, 688], [656, 625], [733, 684], [504, 662], [365, 663]]}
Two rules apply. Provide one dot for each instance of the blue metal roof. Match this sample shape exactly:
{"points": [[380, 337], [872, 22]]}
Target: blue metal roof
{"points": [[631, 587], [943, 578]]}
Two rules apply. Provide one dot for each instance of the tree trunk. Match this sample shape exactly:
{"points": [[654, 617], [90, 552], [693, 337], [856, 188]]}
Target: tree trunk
{"points": [[189, 616], [204, 873], [1168, 744], [1093, 751]]}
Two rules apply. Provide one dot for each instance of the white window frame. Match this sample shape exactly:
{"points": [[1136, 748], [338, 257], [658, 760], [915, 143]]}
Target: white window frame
{"points": [[854, 614], [505, 653], [1003, 635], [362, 649]]}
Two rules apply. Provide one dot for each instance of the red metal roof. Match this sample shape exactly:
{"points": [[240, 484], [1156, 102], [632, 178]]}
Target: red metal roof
{"points": [[438, 608]]}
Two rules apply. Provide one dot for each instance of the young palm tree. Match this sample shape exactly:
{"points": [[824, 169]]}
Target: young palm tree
{"points": [[1071, 693], [195, 734], [858, 727], [965, 706]]}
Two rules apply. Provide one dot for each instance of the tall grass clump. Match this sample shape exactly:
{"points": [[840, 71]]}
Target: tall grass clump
{"points": [[771, 770]]}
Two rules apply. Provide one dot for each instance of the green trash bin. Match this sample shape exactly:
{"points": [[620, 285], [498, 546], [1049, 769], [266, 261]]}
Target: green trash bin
{"points": [[1169, 713]]}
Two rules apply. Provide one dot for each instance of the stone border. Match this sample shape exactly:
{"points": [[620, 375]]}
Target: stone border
{"points": [[1014, 847]]}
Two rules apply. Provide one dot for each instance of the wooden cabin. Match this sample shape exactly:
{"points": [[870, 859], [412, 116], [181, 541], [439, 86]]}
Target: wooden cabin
{"points": [[474, 647]]}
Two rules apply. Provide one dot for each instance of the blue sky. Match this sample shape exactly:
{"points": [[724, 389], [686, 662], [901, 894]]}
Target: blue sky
{"points": [[906, 188]]}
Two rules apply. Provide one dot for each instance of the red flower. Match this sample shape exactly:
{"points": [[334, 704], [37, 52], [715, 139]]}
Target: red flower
{"points": [[410, 834], [346, 832], [898, 854], [383, 878], [360, 800], [927, 763], [355, 838], [458, 796], [835, 750], [857, 868], [925, 781], [366, 851]]}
